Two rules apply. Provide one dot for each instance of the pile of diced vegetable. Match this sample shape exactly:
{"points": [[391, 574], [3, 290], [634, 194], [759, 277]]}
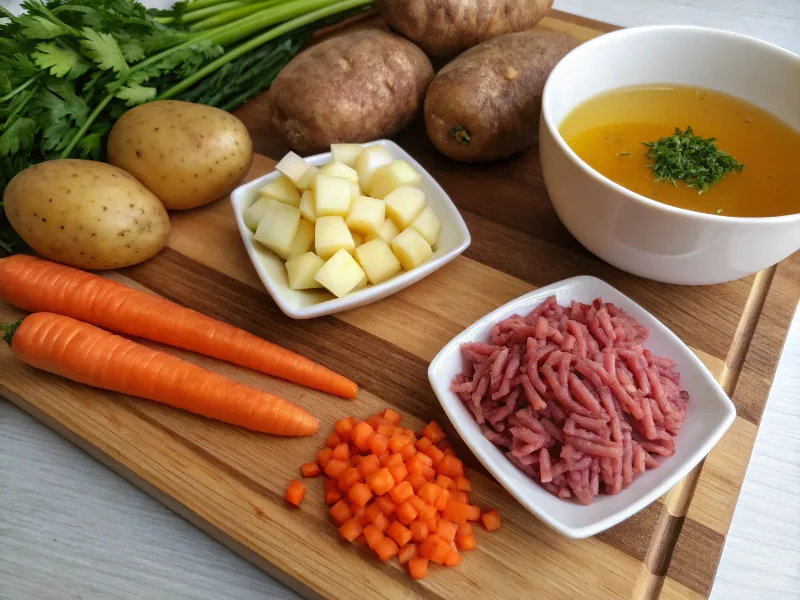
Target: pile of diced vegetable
{"points": [[397, 493], [360, 219]]}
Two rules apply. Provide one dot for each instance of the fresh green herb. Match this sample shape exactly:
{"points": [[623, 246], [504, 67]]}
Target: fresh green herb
{"points": [[459, 134], [70, 68], [690, 158]]}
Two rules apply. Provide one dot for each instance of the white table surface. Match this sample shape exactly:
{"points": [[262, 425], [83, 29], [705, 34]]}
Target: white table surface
{"points": [[72, 529]]}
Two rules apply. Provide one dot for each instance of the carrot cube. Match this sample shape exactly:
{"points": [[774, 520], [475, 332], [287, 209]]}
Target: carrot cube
{"points": [[441, 500], [443, 481], [429, 492], [407, 451], [383, 457], [406, 512], [374, 535], [348, 478], [429, 473], [334, 439], [355, 459], [464, 529], [416, 480], [332, 492], [399, 533], [344, 428], [386, 429], [450, 466], [435, 454], [406, 553], [361, 541], [341, 512], [372, 511], [419, 530], [491, 520], [369, 464], [378, 443], [360, 512], [473, 513], [380, 481], [359, 494], [447, 530], [392, 416], [434, 548], [452, 558], [401, 492], [423, 444], [387, 505], [295, 492], [382, 522], [426, 511], [397, 442], [393, 460], [466, 542], [398, 472], [362, 434], [375, 420], [449, 452], [336, 467], [462, 497], [418, 567], [456, 511], [309, 469], [324, 456], [351, 529], [433, 432], [386, 549], [342, 451]]}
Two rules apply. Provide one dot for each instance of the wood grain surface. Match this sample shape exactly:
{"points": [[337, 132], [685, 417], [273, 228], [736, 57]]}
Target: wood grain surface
{"points": [[230, 482]]}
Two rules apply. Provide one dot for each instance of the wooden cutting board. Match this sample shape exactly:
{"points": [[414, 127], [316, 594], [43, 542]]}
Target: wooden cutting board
{"points": [[230, 482]]}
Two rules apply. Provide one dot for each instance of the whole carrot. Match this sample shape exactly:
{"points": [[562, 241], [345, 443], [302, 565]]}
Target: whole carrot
{"points": [[87, 354], [38, 285]]}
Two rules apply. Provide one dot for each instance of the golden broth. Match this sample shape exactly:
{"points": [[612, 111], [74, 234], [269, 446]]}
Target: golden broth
{"points": [[605, 128]]}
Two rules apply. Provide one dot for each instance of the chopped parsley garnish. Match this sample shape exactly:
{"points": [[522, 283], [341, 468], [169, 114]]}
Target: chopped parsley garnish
{"points": [[690, 158]]}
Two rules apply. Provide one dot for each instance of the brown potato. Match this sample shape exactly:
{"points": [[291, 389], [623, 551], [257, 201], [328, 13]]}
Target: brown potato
{"points": [[485, 104], [444, 28], [186, 154], [357, 87]]}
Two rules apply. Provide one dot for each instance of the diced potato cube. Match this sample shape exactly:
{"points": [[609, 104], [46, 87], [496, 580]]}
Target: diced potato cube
{"points": [[338, 169], [363, 283], [390, 177], [341, 274], [411, 249], [332, 196], [368, 161], [303, 240], [428, 224], [255, 212], [278, 227], [377, 260], [307, 207], [281, 188], [308, 178], [403, 204], [302, 269], [330, 235], [387, 232], [346, 153], [355, 191], [358, 239], [366, 215], [293, 166]]}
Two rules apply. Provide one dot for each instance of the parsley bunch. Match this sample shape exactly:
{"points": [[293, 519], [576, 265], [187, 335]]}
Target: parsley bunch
{"points": [[688, 157], [70, 68]]}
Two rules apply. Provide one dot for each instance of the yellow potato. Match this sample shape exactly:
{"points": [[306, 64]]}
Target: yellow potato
{"points": [[86, 214], [186, 154]]}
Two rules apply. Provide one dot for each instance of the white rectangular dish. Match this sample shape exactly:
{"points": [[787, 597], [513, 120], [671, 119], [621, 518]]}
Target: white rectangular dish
{"points": [[710, 413], [453, 239]]}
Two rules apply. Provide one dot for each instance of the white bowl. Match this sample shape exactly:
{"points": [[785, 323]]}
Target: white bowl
{"points": [[710, 413], [305, 304], [632, 232]]}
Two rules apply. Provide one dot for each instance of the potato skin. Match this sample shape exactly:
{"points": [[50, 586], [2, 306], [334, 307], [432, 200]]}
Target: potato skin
{"points": [[356, 87], [444, 28], [485, 104], [86, 214], [186, 154]]}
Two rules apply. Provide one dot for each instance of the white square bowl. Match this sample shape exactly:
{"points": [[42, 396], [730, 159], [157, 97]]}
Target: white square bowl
{"points": [[453, 239], [710, 413]]}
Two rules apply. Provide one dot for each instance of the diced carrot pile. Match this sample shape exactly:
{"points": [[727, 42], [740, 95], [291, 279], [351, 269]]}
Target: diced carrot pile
{"points": [[397, 493]]}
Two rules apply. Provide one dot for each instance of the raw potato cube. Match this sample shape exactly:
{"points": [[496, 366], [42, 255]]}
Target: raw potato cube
{"points": [[387, 232], [428, 224], [346, 153], [390, 177], [332, 196], [403, 204], [331, 235], [307, 207], [363, 283], [282, 188], [366, 215], [338, 169], [357, 239], [370, 160], [303, 240], [293, 166], [308, 178], [378, 261], [302, 269], [278, 227], [355, 191], [255, 212], [411, 249], [341, 274]]}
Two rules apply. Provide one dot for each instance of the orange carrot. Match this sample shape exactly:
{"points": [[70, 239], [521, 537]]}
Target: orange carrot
{"points": [[401, 492], [466, 542], [491, 520], [369, 464], [452, 558], [399, 533], [386, 549], [333, 440], [392, 416], [419, 530], [351, 529], [87, 354], [418, 567], [407, 553], [374, 535], [433, 432], [341, 512], [380, 481], [332, 493], [381, 522], [38, 285], [309, 469], [387, 505], [434, 548], [295, 492]]}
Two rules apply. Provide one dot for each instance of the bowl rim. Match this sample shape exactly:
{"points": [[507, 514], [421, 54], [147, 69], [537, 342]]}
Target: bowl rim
{"points": [[599, 525], [365, 296], [614, 37]]}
